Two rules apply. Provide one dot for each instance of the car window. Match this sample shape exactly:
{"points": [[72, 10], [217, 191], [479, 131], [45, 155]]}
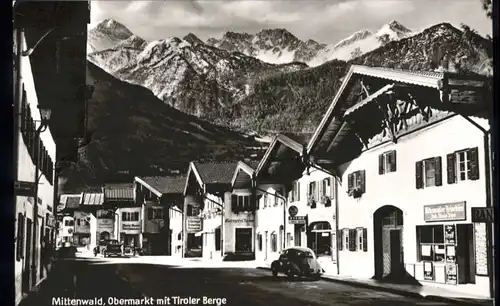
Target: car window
{"points": [[309, 255]]}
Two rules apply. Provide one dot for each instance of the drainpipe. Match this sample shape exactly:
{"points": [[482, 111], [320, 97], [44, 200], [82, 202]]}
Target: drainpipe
{"points": [[17, 98], [489, 195]]}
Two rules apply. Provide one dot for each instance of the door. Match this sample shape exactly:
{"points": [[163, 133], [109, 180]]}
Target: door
{"points": [[396, 252], [465, 254], [298, 234], [243, 241], [27, 257]]}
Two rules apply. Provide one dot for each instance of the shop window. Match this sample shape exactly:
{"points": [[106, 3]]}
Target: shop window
{"points": [[431, 243], [387, 162], [274, 242], [356, 185], [361, 239], [259, 241], [462, 165], [428, 172]]}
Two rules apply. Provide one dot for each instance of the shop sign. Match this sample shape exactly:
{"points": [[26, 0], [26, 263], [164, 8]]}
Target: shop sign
{"points": [[293, 210], [297, 220], [482, 214], [449, 234], [444, 212], [131, 226], [481, 249], [26, 189], [428, 271], [194, 224], [239, 220], [451, 274]]}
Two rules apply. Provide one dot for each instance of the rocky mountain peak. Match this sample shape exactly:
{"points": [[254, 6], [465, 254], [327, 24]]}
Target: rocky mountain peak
{"points": [[193, 39], [112, 26], [283, 34], [398, 27], [236, 36]]}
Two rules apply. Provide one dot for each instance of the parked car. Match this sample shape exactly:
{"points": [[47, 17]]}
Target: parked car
{"points": [[113, 248], [66, 250], [297, 261]]}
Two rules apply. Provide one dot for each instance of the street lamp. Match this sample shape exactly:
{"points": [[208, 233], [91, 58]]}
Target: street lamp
{"points": [[44, 123]]}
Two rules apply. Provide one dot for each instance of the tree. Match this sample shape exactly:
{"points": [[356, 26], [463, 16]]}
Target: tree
{"points": [[356, 53], [487, 6]]}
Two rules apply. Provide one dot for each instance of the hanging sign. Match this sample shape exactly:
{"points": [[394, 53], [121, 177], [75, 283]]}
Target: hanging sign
{"points": [[293, 210], [449, 234], [297, 220], [451, 274], [428, 271], [26, 189], [482, 214]]}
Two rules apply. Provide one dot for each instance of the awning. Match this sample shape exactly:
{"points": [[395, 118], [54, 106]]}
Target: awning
{"points": [[366, 101]]}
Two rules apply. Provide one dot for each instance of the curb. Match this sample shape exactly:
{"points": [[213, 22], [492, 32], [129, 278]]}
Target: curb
{"points": [[401, 292]]}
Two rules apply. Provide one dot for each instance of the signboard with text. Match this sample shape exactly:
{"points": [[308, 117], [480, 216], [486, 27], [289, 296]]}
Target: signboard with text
{"points": [[482, 214], [26, 189], [131, 228], [445, 212], [194, 224], [297, 220]]}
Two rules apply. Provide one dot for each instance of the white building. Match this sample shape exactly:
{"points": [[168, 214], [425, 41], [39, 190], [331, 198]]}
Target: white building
{"points": [[413, 159]]}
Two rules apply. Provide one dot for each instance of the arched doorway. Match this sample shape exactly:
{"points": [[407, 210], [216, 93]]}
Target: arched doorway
{"points": [[388, 236], [319, 238], [104, 236]]}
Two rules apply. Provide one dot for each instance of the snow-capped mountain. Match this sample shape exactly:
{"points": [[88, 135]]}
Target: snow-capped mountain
{"points": [[185, 73], [275, 46], [281, 46], [107, 34]]}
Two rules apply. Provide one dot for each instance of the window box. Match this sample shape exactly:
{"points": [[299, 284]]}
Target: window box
{"points": [[356, 184]]}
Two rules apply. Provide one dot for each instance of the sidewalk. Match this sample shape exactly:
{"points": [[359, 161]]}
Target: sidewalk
{"points": [[424, 291]]}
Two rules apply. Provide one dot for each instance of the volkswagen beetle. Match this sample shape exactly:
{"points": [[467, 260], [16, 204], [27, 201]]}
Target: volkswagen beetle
{"points": [[297, 261]]}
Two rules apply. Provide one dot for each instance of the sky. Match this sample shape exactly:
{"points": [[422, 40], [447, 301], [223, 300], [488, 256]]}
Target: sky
{"points": [[326, 21]]}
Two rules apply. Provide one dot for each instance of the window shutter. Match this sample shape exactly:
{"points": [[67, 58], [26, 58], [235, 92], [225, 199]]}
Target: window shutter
{"points": [[352, 240], [473, 173], [332, 188], [20, 238], [317, 186], [365, 240], [124, 215], [419, 180], [291, 193], [234, 201], [340, 240], [298, 191], [350, 181], [451, 168], [393, 161], [439, 171], [381, 164], [362, 181], [150, 213], [321, 190]]}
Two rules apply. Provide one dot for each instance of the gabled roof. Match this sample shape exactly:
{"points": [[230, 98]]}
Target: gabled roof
{"points": [[211, 173], [278, 139], [160, 185], [245, 167], [437, 80], [119, 192]]}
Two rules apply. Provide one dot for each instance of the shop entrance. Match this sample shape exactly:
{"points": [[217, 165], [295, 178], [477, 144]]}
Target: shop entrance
{"points": [[319, 238], [243, 241], [298, 229], [465, 256], [388, 235], [104, 236]]}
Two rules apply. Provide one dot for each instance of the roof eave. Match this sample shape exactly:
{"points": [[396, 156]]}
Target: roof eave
{"points": [[149, 187]]}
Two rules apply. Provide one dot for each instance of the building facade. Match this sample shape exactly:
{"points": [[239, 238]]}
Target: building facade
{"points": [[411, 175]]}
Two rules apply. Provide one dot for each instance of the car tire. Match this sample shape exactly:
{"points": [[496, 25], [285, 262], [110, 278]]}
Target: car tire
{"points": [[317, 276], [290, 274], [275, 272]]}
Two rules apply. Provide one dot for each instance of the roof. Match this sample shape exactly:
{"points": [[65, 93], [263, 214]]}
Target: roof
{"points": [[278, 139], [93, 199], [245, 167], [216, 172], [436, 80], [119, 192], [163, 184]]}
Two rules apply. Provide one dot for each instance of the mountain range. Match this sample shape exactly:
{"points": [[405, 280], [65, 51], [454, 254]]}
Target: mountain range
{"points": [[174, 100]]}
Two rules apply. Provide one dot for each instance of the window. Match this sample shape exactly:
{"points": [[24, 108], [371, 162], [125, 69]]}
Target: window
{"points": [[105, 214], [431, 243], [312, 194], [428, 172], [240, 203], [462, 165], [274, 242], [155, 213], [259, 241], [295, 194], [356, 183], [192, 211], [361, 240], [345, 239], [265, 200], [69, 222], [130, 216], [326, 191], [387, 162]]}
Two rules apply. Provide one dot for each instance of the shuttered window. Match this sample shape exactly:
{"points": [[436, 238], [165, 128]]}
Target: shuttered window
{"points": [[428, 172], [462, 165], [361, 239], [387, 162], [356, 181], [352, 240], [20, 237]]}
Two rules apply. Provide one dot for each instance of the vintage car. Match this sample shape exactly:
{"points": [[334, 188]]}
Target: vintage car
{"points": [[112, 248], [297, 261]]}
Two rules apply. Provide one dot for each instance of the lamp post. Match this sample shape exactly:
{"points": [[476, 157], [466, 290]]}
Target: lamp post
{"points": [[44, 121]]}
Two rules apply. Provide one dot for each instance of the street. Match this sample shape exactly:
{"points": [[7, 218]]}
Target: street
{"points": [[164, 284]]}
